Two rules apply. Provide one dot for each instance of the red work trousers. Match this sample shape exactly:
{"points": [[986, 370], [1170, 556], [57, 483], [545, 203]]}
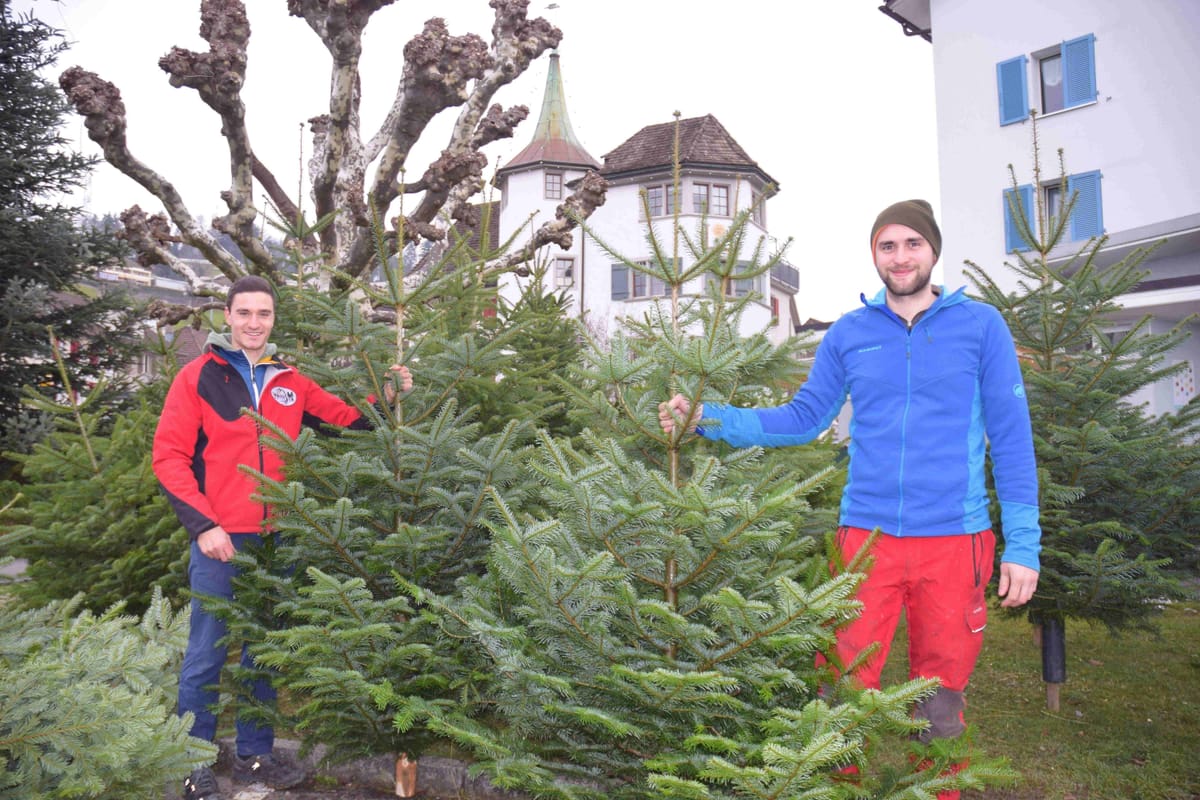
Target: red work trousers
{"points": [[939, 582]]}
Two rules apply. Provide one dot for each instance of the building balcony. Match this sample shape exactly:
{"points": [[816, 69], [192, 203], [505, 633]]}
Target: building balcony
{"points": [[786, 277]]}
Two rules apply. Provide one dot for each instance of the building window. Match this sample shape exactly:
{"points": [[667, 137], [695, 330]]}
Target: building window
{"points": [[1087, 216], [720, 201], [564, 272], [1051, 78], [632, 284], [661, 200], [775, 320], [711, 199], [1052, 200], [740, 287], [554, 185], [1066, 78], [758, 211], [654, 200]]}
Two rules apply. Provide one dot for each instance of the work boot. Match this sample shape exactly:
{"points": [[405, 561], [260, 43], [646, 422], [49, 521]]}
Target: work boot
{"points": [[201, 785], [268, 768]]}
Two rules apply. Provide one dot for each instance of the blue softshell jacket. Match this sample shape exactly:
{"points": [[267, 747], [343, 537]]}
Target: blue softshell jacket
{"points": [[926, 404]]}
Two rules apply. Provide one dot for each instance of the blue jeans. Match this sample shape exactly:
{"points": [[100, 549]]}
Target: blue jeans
{"points": [[207, 652]]}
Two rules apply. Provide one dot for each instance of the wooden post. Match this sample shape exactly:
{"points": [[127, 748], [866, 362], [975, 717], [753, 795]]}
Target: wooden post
{"points": [[406, 776]]}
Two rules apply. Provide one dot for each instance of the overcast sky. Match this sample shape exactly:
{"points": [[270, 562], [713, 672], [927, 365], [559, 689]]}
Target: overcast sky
{"points": [[830, 98]]}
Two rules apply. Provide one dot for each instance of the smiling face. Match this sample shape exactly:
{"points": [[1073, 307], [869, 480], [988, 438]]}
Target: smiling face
{"points": [[250, 317], [904, 260]]}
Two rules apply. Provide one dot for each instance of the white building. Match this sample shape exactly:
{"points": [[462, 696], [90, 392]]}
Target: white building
{"points": [[1116, 86], [716, 175]]}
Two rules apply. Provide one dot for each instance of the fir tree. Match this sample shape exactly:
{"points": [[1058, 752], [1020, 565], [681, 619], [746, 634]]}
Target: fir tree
{"points": [[544, 344], [92, 521], [1119, 487], [44, 254], [87, 703], [365, 516], [652, 628]]}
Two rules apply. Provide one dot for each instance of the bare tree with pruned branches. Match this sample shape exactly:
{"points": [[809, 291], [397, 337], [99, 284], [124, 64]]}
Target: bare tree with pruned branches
{"points": [[440, 71]]}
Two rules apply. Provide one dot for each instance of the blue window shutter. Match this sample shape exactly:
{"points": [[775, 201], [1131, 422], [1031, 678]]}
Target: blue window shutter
{"points": [[1012, 88], [1012, 234], [1079, 71], [620, 282], [1087, 218]]}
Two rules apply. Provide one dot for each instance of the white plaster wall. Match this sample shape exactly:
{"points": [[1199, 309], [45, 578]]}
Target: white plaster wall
{"points": [[1140, 133], [524, 192]]}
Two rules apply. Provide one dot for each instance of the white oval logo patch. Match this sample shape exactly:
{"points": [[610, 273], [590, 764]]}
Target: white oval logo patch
{"points": [[283, 396]]}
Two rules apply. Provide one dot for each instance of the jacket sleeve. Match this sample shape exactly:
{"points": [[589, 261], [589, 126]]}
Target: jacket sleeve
{"points": [[324, 408], [809, 413], [175, 457], [1010, 438]]}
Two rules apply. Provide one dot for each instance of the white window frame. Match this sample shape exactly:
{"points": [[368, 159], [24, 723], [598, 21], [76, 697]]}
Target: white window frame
{"points": [[706, 206], [564, 272]]}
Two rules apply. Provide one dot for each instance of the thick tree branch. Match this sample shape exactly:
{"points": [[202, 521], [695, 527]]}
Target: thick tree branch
{"points": [[218, 77], [100, 104], [338, 169], [587, 197], [438, 74], [439, 71], [282, 200]]}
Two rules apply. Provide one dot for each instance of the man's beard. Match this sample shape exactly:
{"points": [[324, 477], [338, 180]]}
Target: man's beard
{"points": [[919, 285]]}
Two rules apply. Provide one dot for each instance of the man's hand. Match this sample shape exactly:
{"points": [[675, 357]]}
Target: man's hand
{"points": [[679, 409], [406, 382], [215, 543], [1017, 584]]}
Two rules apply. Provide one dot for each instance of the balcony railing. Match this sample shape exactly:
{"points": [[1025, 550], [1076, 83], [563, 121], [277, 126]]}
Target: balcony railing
{"points": [[786, 276]]}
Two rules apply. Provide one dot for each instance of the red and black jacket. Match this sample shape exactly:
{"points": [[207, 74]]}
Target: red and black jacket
{"points": [[203, 437]]}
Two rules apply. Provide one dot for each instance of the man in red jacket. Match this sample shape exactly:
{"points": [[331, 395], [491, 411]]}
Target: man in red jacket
{"points": [[201, 440]]}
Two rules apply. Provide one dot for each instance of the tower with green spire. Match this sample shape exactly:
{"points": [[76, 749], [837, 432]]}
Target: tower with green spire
{"points": [[535, 181]]}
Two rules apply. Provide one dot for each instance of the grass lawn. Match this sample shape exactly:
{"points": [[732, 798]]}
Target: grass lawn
{"points": [[1129, 720]]}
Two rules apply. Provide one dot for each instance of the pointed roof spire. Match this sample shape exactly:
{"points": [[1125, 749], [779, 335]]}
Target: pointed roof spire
{"points": [[554, 142]]}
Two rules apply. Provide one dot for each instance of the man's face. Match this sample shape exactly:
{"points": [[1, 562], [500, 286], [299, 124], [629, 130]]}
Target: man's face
{"points": [[904, 260], [250, 317]]}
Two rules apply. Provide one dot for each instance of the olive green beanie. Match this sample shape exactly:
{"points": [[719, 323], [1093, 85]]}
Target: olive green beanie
{"points": [[916, 214]]}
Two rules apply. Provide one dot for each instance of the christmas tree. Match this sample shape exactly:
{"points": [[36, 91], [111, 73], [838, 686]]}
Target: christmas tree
{"points": [[653, 631], [91, 520], [1119, 486], [366, 516], [87, 703]]}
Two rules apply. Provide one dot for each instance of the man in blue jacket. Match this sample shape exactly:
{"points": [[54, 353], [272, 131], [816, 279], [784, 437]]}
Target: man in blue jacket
{"points": [[934, 381]]}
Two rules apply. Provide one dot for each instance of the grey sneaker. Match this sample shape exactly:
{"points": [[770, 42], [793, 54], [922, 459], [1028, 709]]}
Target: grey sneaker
{"points": [[201, 785], [268, 768]]}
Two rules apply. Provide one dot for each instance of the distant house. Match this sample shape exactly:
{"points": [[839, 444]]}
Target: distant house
{"points": [[1115, 87], [717, 180]]}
